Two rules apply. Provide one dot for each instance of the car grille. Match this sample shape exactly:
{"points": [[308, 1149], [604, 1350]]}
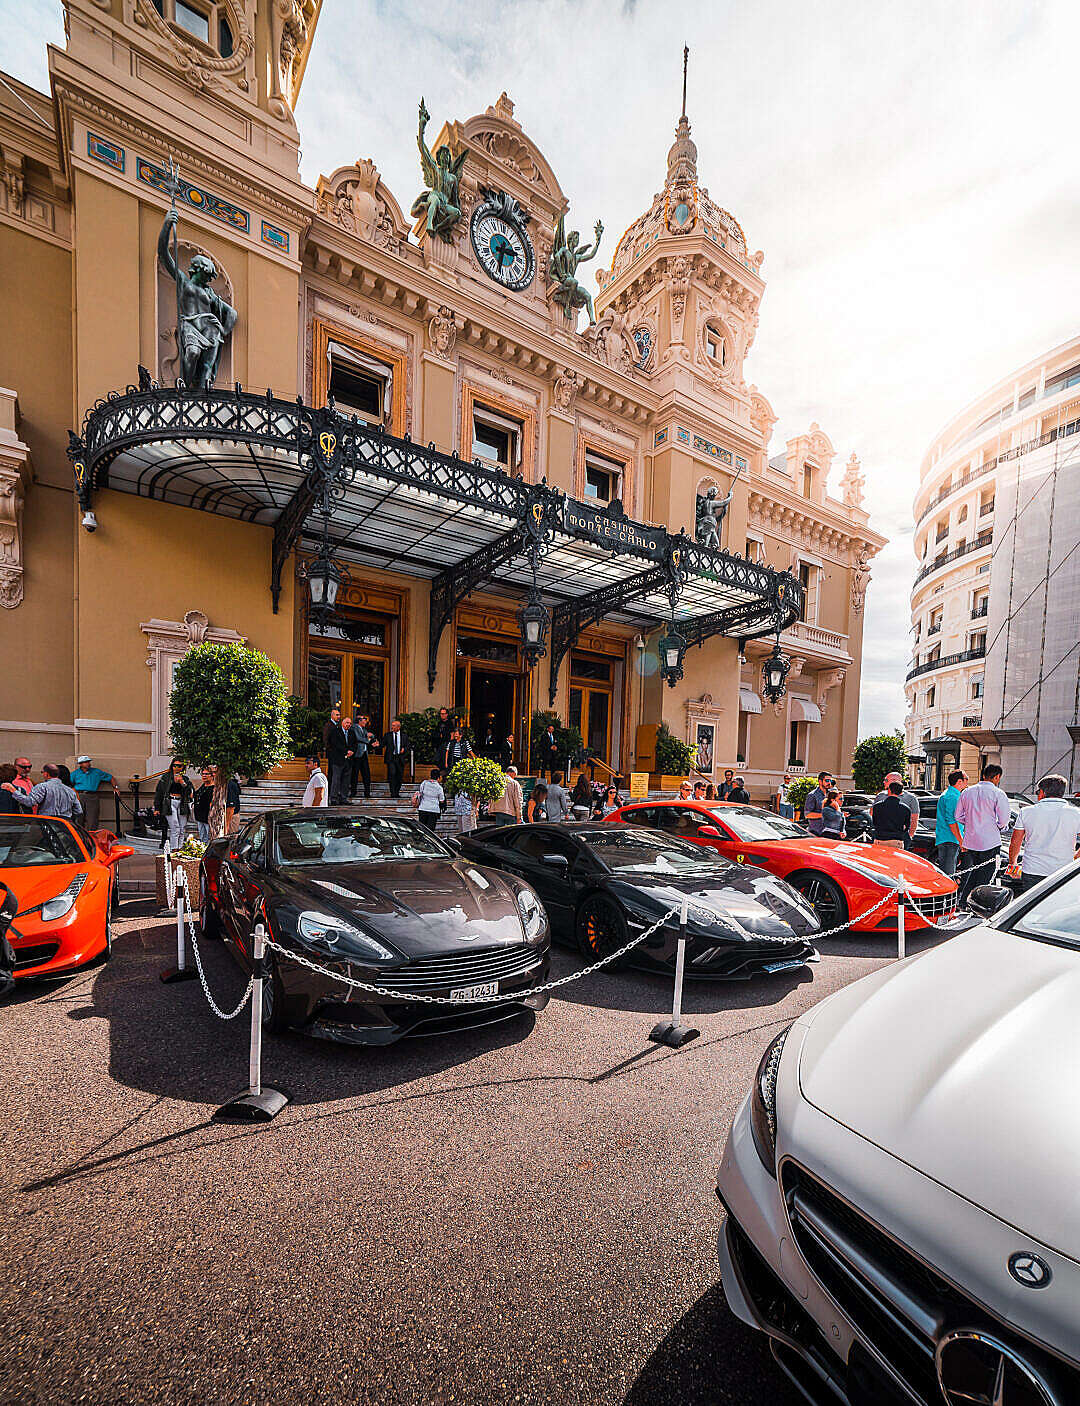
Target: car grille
{"points": [[431, 974], [935, 905], [897, 1304], [35, 955]]}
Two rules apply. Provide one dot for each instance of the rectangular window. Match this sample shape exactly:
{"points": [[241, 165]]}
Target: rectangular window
{"points": [[743, 743], [795, 744], [983, 569], [360, 385], [808, 481], [193, 21], [931, 694], [986, 506], [603, 477], [715, 346], [808, 581], [978, 641], [977, 688], [961, 516], [496, 439], [942, 530]]}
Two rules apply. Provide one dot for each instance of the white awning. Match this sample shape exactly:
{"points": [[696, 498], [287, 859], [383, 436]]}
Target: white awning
{"points": [[803, 711], [749, 702]]}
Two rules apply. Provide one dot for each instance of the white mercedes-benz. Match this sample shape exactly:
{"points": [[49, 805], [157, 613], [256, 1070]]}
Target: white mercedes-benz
{"points": [[902, 1183]]}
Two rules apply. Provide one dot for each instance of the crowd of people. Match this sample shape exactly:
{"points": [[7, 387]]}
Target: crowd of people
{"points": [[73, 795]]}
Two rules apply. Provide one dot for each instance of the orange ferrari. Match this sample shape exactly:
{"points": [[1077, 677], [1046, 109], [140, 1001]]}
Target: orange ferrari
{"points": [[65, 881]]}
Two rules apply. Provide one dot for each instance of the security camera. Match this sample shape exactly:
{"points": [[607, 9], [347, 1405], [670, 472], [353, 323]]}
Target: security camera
{"points": [[89, 521]]}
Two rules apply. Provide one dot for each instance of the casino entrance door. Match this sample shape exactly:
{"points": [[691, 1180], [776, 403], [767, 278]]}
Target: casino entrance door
{"points": [[490, 684], [349, 664]]}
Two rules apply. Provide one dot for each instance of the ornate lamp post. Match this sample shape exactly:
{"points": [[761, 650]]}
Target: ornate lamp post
{"points": [[324, 579], [672, 649], [774, 674]]}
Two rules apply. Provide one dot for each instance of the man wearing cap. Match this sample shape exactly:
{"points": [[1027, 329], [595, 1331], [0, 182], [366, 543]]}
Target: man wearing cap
{"points": [[86, 779]]}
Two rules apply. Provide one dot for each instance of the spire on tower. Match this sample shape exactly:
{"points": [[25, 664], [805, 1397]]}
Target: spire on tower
{"points": [[685, 61]]}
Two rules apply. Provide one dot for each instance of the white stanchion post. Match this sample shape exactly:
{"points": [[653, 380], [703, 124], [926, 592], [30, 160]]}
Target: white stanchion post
{"points": [[181, 972], [255, 1104], [672, 1032], [901, 935]]}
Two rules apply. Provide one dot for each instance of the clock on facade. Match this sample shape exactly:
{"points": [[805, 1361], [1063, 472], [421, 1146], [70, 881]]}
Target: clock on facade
{"points": [[501, 242]]}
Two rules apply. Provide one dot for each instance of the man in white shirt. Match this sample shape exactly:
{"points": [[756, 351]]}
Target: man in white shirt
{"points": [[1049, 832], [318, 788]]}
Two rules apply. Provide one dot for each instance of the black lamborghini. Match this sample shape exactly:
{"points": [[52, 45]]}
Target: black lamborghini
{"points": [[603, 883]]}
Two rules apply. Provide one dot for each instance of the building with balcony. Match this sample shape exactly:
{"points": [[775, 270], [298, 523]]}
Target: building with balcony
{"points": [[469, 405], [994, 671]]}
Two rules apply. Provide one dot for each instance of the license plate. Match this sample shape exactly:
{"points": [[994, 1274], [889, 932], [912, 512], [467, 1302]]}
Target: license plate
{"points": [[784, 966], [475, 993]]}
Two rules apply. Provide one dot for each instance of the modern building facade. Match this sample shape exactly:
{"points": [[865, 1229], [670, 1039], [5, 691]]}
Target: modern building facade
{"points": [[995, 671], [460, 365]]}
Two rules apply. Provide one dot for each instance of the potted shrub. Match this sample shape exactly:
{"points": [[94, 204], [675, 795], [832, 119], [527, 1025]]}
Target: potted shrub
{"points": [[188, 857], [476, 777], [674, 759]]}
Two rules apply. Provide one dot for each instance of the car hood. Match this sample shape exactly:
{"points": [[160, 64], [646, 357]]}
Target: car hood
{"points": [[919, 874], [416, 906], [761, 903], [37, 883], [964, 1063]]}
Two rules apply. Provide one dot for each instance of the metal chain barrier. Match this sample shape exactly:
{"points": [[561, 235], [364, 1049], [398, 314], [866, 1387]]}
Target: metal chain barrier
{"points": [[221, 1015]]}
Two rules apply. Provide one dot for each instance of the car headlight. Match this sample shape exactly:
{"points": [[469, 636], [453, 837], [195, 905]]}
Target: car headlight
{"points": [[532, 915], [712, 918], [870, 874], [342, 939], [763, 1103], [62, 904]]}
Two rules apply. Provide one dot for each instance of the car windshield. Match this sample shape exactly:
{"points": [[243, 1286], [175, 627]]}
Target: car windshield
{"points": [[27, 843], [648, 852], [1056, 915], [752, 823], [348, 839]]}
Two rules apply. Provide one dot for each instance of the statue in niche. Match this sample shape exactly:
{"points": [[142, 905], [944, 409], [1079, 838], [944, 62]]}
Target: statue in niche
{"points": [[204, 321], [566, 254], [440, 201]]}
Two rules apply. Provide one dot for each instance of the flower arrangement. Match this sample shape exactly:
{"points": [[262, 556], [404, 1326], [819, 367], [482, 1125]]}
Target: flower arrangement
{"points": [[476, 777], [192, 848]]}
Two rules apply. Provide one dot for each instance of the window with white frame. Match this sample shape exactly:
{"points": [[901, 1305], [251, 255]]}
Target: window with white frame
{"points": [[603, 477], [359, 384], [496, 439], [977, 686], [809, 575], [716, 346]]}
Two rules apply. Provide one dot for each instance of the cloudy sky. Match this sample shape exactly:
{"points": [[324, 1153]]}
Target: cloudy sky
{"points": [[910, 171]]}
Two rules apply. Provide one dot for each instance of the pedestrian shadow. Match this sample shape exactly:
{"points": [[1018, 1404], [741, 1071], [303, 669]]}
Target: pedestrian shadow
{"points": [[711, 1358]]}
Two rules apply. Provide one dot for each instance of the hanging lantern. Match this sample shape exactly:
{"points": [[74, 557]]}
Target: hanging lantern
{"points": [[324, 579], [774, 674], [672, 648], [533, 622]]}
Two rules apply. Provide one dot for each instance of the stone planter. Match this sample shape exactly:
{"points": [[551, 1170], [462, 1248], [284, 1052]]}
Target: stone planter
{"points": [[191, 874]]}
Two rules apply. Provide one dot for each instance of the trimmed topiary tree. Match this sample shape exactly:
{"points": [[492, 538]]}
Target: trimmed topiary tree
{"points": [[305, 728], [229, 708], [875, 757], [479, 778], [797, 791]]}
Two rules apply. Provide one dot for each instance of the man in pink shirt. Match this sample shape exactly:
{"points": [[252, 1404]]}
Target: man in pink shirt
{"points": [[983, 814]]}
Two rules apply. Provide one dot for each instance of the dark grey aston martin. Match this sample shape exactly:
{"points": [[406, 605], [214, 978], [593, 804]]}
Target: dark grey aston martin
{"points": [[382, 900]]}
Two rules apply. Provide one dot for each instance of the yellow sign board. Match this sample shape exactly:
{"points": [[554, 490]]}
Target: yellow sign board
{"points": [[639, 785]]}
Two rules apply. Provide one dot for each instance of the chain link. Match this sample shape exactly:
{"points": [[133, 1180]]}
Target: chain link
{"points": [[221, 1015]]}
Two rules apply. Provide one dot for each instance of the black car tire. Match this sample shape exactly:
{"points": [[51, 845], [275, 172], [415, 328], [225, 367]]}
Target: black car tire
{"points": [[600, 928], [209, 922], [274, 1020], [825, 896], [108, 935]]}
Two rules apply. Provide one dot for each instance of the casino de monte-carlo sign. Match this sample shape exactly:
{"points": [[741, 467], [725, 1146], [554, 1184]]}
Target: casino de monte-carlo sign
{"points": [[610, 527]]}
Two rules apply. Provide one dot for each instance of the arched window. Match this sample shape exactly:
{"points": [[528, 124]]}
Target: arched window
{"points": [[717, 346]]}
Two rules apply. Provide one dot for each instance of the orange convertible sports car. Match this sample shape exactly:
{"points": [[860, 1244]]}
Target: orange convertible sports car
{"points": [[843, 880], [65, 881]]}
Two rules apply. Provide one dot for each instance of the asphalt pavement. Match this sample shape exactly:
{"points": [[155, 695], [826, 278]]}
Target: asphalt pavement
{"points": [[523, 1213]]}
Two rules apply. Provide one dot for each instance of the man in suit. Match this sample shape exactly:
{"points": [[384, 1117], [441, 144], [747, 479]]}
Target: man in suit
{"points": [[360, 769], [549, 751], [395, 746], [338, 738], [332, 722]]}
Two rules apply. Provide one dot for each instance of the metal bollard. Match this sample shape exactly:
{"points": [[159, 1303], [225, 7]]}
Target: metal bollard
{"points": [[672, 1032], [901, 935], [255, 1104], [181, 972]]}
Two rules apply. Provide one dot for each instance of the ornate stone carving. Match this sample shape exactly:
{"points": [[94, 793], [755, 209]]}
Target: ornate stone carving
{"points": [[14, 470], [198, 67], [567, 254], [442, 333], [827, 681], [565, 389], [610, 341], [679, 271], [356, 198], [860, 579], [12, 174], [853, 483], [511, 151]]}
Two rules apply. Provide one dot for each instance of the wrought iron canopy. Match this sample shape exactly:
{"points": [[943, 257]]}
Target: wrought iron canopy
{"points": [[400, 506]]}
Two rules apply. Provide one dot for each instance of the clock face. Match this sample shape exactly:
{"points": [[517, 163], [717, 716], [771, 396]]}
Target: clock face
{"points": [[502, 248]]}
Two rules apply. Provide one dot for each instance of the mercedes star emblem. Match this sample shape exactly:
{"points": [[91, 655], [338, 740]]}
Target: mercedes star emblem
{"points": [[976, 1369], [1030, 1270]]}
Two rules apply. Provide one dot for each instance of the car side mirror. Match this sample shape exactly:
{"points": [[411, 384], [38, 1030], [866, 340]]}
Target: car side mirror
{"points": [[709, 832], [451, 843], [557, 861], [117, 852], [988, 899]]}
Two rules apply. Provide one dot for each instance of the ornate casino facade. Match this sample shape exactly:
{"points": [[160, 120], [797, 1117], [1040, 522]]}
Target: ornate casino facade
{"points": [[408, 396]]}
